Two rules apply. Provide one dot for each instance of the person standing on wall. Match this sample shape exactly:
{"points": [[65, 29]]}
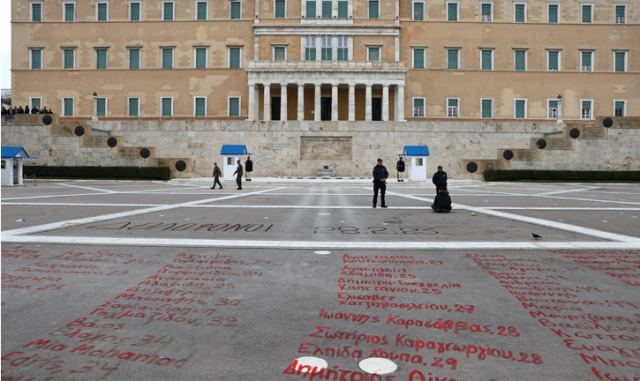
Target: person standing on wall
{"points": [[248, 166], [216, 176], [380, 176], [238, 174], [400, 167]]}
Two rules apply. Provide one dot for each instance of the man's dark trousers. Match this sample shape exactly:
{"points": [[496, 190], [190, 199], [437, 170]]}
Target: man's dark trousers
{"points": [[382, 187], [239, 181]]}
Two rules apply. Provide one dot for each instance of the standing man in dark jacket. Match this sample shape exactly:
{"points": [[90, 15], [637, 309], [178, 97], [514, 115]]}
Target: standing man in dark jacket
{"points": [[400, 167], [238, 174], [440, 180], [380, 175], [216, 176], [248, 166]]}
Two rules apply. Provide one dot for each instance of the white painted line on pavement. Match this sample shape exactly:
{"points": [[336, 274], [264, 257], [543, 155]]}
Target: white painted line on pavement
{"points": [[230, 206], [88, 188], [557, 208], [77, 204], [563, 191], [53, 196]]}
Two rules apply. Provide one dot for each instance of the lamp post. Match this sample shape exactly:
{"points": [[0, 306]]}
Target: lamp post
{"points": [[559, 108]]}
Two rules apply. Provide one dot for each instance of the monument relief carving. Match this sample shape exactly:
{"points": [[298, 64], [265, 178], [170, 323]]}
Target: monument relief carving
{"points": [[325, 148]]}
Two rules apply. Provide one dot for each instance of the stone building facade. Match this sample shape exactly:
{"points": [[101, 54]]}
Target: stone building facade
{"points": [[313, 60]]}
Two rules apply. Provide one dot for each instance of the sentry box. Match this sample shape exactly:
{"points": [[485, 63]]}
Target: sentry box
{"points": [[230, 156], [12, 159], [417, 157]]}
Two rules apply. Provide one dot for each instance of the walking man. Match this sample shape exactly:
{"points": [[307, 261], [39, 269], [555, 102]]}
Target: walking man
{"points": [[216, 176], [248, 166], [440, 180], [238, 174], [380, 175]]}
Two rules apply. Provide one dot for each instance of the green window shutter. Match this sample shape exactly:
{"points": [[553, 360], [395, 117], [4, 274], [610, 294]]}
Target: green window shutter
{"points": [[36, 12], [553, 61], [134, 59], [374, 54], [310, 54], [486, 12], [101, 59], [620, 14], [343, 54], [101, 107], [520, 60], [168, 11], [35, 103], [619, 61], [586, 61], [311, 9], [102, 11], [343, 9], [279, 53], [234, 58], [520, 109], [68, 106], [166, 106], [418, 108], [452, 11], [200, 107], [326, 54], [326, 9], [452, 58], [280, 11], [234, 106], [553, 110], [201, 58], [235, 10], [618, 108], [487, 111], [135, 12], [418, 11], [486, 60], [68, 58], [519, 12], [133, 106], [418, 58], [553, 13], [69, 12], [374, 11], [167, 58], [201, 10], [586, 13]]}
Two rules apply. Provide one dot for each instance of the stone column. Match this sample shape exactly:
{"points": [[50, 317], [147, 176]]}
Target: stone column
{"points": [[385, 103], [367, 109], [300, 101], [251, 114], [283, 101], [352, 102], [318, 95], [334, 102], [400, 103], [267, 101]]}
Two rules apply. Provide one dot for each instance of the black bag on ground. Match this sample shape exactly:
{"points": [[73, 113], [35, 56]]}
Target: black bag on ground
{"points": [[442, 202]]}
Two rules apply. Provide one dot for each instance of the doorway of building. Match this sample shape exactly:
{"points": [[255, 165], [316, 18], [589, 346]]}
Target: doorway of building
{"points": [[376, 108], [275, 108], [325, 108]]}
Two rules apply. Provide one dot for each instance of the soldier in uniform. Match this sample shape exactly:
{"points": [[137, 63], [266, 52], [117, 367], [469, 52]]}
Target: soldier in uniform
{"points": [[400, 167], [238, 174], [248, 166], [216, 176]]}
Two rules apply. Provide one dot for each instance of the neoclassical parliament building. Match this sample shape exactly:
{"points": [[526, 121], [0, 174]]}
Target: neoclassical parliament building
{"points": [[328, 60]]}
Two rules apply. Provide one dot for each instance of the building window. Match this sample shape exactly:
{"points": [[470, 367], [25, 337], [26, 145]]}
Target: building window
{"points": [[374, 9], [234, 58], [619, 108], [486, 108], [587, 13], [486, 10], [134, 11], [520, 13], [167, 58], [167, 11], [69, 58], [520, 106], [453, 107], [373, 53], [553, 12], [418, 107], [167, 106], [311, 9], [35, 58], [101, 58], [586, 60], [418, 58], [553, 60], [310, 49], [102, 11], [69, 11], [486, 59], [343, 9], [134, 58], [236, 10], [418, 10], [202, 10], [326, 48], [101, 106], [35, 102], [343, 48], [586, 105], [452, 11], [36, 12], [453, 58], [234, 106], [520, 60], [200, 55], [280, 9], [621, 13], [279, 53], [200, 106], [326, 9], [67, 106], [620, 61], [133, 106], [553, 109]]}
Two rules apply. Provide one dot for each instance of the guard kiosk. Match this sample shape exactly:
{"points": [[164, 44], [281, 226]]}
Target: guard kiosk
{"points": [[417, 156], [230, 156], [12, 158]]}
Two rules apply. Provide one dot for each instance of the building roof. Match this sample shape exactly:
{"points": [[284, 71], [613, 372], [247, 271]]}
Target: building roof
{"points": [[416, 151], [232, 150], [14, 152]]}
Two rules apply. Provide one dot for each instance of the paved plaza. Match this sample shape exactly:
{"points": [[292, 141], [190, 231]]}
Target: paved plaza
{"points": [[302, 279]]}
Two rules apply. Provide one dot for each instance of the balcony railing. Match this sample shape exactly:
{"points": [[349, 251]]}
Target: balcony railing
{"points": [[325, 66]]}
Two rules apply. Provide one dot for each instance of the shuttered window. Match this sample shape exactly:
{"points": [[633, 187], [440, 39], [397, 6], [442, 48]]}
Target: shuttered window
{"points": [[586, 13], [235, 10], [200, 106], [69, 12], [621, 11], [134, 106], [418, 10], [36, 12], [67, 108], [553, 60], [167, 106], [326, 9], [487, 108], [452, 59], [521, 106], [234, 58], [167, 11], [201, 10], [134, 58], [68, 58], [102, 11], [343, 9], [311, 9], [374, 9], [486, 11], [418, 58], [452, 11], [101, 59], [521, 61], [201, 58], [280, 9], [620, 59], [520, 13], [487, 59], [553, 13], [234, 106], [167, 58], [101, 107], [618, 108], [586, 61], [134, 11]]}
